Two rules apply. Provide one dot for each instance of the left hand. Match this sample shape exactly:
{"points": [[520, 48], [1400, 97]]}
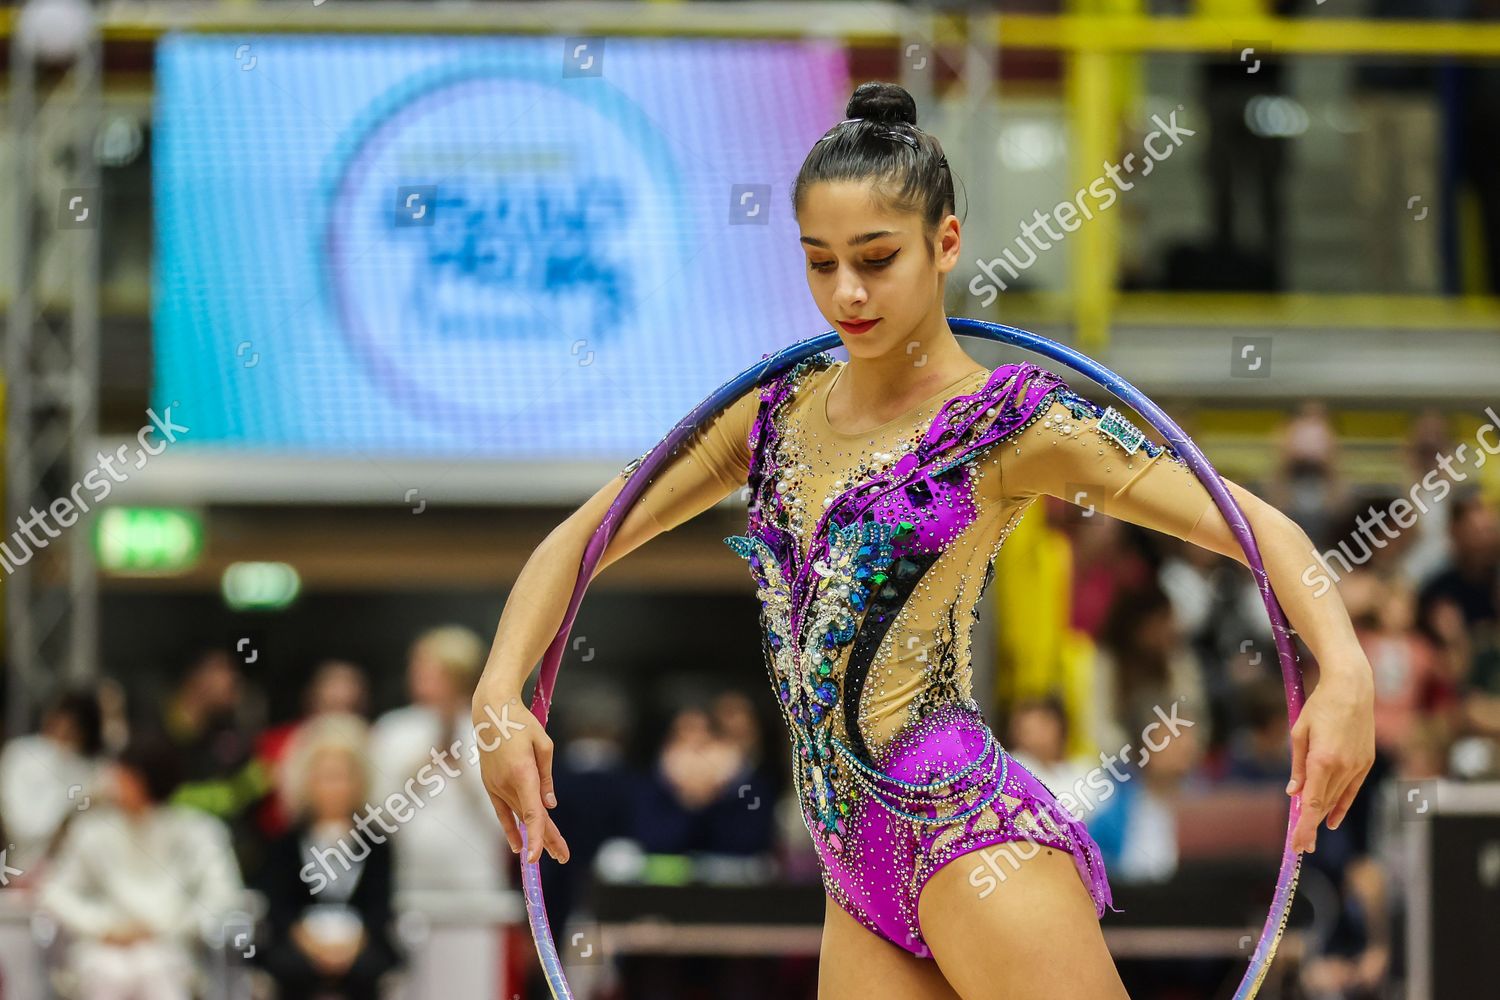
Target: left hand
{"points": [[327, 958], [1333, 747]]}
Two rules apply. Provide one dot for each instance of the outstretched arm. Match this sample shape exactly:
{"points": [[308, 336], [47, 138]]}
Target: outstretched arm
{"points": [[516, 754], [1333, 741]]}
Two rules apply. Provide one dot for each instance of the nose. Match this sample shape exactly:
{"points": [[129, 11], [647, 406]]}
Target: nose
{"points": [[850, 294]]}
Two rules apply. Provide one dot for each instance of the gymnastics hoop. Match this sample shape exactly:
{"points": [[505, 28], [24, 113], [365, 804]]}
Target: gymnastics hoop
{"points": [[774, 365]]}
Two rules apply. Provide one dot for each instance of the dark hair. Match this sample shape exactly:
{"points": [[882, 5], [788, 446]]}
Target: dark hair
{"points": [[879, 140], [82, 709], [1136, 667], [157, 763], [1050, 703], [1466, 502]]}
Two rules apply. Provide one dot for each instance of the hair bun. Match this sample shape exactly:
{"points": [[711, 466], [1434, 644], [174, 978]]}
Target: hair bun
{"points": [[882, 102]]}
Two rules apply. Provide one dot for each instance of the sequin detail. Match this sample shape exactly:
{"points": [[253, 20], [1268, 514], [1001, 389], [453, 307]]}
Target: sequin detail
{"points": [[869, 554]]}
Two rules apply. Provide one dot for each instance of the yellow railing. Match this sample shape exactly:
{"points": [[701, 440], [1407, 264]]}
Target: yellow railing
{"points": [[1091, 46]]}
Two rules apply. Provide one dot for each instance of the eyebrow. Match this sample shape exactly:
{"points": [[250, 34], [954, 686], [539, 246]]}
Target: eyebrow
{"points": [[854, 241]]}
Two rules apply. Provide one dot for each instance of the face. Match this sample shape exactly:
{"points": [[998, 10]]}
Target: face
{"points": [[217, 682], [691, 726], [333, 785], [338, 689], [1039, 733], [890, 277], [128, 788], [736, 720], [1477, 534], [429, 681], [62, 728]]}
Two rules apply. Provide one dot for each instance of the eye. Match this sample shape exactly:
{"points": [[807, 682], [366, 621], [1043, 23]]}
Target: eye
{"points": [[820, 265], [884, 261]]}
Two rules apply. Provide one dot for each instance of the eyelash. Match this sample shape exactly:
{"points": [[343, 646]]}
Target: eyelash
{"points": [[882, 262]]}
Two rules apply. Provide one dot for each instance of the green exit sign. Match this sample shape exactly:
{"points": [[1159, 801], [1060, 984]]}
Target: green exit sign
{"points": [[147, 539]]}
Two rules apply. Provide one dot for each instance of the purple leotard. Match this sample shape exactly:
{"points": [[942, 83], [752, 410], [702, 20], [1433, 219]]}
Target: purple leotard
{"points": [[870, 552]]}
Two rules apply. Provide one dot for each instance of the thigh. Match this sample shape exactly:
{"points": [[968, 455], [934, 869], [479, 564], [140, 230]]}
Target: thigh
{"points": [[103, 970], [854, 963], [165, 970], [1035, 935]]}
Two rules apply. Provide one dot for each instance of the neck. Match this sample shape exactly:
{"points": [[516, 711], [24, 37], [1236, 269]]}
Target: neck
{"points": [[929, 357]]}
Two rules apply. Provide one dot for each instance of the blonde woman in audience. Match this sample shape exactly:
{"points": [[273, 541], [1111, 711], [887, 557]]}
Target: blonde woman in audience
{"points": [[327, 880]]}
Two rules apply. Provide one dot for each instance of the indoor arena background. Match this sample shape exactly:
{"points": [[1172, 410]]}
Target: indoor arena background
{"points": [[320, 315]]}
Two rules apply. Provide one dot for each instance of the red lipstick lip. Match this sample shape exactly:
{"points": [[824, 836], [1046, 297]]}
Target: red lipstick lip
{"points": [[859, 327]]}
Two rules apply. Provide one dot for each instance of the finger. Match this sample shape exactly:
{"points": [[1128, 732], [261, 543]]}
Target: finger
{"points": [[1315, 804], [544, 768], [530, 812], [1346, 799], [1299, 758], [508, 824], [503, 814], [1338, 783], [556, 846]]}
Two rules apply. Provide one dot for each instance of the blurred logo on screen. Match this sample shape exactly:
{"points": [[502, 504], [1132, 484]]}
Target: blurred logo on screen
{"points": [[486, 218]]}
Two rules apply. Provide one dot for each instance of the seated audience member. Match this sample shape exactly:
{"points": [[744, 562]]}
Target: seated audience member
{"points": [[48, 777], [137, 884], [1038, 738], [328, 879], [336, 686], [695, 797]]}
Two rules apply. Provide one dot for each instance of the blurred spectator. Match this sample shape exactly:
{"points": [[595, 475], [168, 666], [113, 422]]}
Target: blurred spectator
{"points": [[47, 777], [694, 801], [1479, 685], [1363, 543], [1136, 826], [1410, 679], [1467, 578], [1141, 669], [211, 720], [1105, 562], [136, 887], [595, 786], [736, 721], [453, 842], [327, 884], [1260, 750], [1037, 737], [337, 686], [1427, 441], [1306, 485], [1223, 618]]}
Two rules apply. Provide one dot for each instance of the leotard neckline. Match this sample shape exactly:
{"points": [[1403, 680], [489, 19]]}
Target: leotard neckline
{"points": [[941, 395]]}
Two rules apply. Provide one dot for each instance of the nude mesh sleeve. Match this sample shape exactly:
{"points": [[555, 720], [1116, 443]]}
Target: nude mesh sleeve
{"points": [[706, 468], [1071, 457]]}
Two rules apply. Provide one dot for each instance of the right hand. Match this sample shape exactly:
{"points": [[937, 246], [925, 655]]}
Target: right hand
{"points": [[515, 761], [126, 935]]}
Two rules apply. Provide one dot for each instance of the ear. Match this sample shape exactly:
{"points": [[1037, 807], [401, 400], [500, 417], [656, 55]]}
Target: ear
{"points": [[949, 243]]}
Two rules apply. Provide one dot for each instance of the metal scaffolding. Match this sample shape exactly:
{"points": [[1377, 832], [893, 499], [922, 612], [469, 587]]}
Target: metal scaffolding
{"points": [[51, 370]]}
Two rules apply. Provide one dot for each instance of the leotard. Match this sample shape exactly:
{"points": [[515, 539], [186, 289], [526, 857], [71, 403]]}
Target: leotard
{"points": [[870, 553]]}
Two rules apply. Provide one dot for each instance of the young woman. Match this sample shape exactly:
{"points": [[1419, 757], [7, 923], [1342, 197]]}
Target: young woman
{"points": [[880, 490]]}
